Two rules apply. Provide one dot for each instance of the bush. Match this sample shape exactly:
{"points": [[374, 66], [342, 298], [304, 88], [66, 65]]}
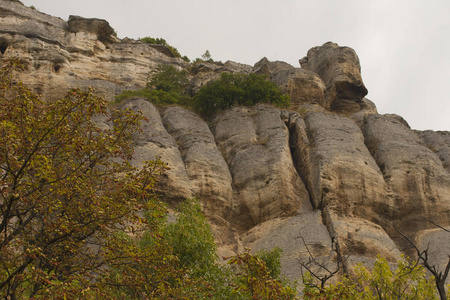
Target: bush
{"points": [[191, 238], [238, 89], [161, 41], [166, 86], [168, 79], [407, 281]]}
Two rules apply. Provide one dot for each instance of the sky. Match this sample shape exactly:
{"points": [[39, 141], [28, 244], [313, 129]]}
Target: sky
{"points": [[403, 45]]}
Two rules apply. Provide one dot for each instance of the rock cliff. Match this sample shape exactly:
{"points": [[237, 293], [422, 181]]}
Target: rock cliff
{"points": [[330, 175]]}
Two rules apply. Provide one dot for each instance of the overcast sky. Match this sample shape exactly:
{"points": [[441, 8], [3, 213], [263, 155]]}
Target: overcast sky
{"points": [[403, 46]]}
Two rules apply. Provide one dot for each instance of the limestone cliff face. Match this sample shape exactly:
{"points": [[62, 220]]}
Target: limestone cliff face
{"points": [[330, 173]]}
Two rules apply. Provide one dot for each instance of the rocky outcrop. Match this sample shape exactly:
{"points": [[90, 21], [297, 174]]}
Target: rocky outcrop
{"points": [[205, 71], [418, 185], [344, 182], [101, 28], [83, 53], [340, 70], [206, 168], [329, 177], [302, 86], [155, 142], [255, 144], [439, 143]]}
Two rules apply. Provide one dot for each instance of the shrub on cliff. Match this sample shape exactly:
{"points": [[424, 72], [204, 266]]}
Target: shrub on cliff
{"points": [[238, 89], [161, 41], [167, 85]]}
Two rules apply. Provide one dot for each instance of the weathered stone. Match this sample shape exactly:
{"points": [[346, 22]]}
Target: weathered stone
{"points": [[155, 141], [436, 242], [269, 68], [101, 28], [205, 166], [439, 143], [60, 56], [262, 171], [367, 107], [302, 86], [299, 237], [339, 68], [346, 177], [345, 182], [359, 240], [205, 72], [208, 172], [163, 49], [255, 144], [418, 185]]}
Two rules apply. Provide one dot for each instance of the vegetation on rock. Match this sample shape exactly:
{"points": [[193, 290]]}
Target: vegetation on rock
{"points": [[78, 221], [161, 41], [168, 85], [238, 89]]}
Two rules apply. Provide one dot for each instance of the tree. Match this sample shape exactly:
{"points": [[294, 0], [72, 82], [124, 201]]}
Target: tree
{"points": [[253, 280], [407, 281], [191, 238], [67, 192], [161, 41], [206, 56], [166, 85], [168, 79], [238, 89], [440, 276]]}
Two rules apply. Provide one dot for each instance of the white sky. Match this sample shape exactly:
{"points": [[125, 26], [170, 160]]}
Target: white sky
{"points": [[403, 45]]}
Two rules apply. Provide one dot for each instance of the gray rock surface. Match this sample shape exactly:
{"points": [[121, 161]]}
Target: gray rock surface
{"points": [[297, 236], [82, 53], [255, 144], [155, 141], [204, 72], [205, 166], [344, 182], [439, 143], [418, 185], [303, 86], [339, 68], [207, 171]]}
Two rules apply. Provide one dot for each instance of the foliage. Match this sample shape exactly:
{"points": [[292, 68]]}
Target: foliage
{"points": [[253, 280], [407, 281], [168, 79], [67, 193], [272, 259], [167, 85], [191, 238], [207, 56], [161, 41], [238, 89]]}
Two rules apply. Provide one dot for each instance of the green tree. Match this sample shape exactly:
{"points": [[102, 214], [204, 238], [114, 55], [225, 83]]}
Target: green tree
{"points": [[206, 56], [191, 238], [166, 85], [252, 280], [67, 192], [238, 89], [272, 259], [168, 79], [407, 281], [161, 41]]}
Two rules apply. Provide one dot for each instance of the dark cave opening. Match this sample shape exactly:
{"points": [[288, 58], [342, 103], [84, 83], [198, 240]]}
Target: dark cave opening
{"points": [[3, 47]]}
